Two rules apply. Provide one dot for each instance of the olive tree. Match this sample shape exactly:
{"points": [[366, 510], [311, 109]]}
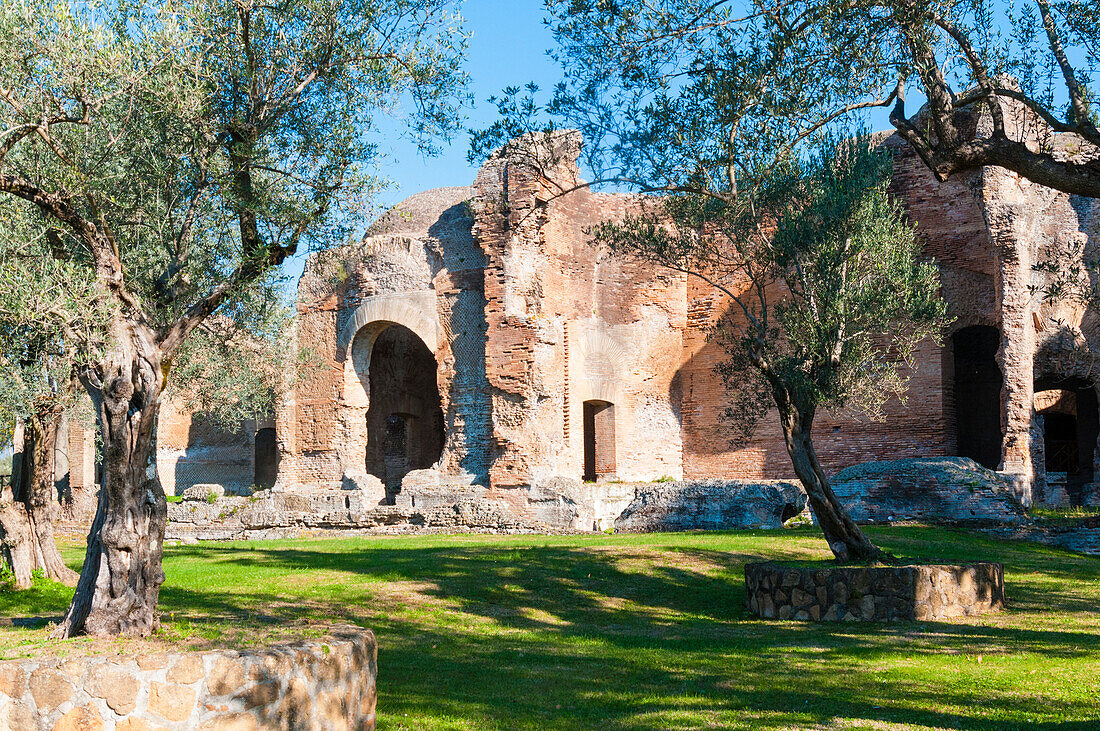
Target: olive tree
{"points": [[724, 115], [51, 318], [828, 298], [178, 151], [1009, 83]]}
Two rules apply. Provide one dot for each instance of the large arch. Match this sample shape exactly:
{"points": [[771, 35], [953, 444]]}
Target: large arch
{"points": [[414, 310], [413, 313], [405, 418]]}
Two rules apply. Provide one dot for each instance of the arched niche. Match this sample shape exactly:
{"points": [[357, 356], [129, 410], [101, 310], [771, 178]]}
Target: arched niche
{"points": [[599, 440], [1065, 408], [404, 421]]}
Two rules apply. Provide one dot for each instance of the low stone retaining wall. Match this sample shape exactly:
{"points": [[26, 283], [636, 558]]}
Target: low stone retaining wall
{"points": [[269, 514], [868, 593], [323, 684], [941, 490]]}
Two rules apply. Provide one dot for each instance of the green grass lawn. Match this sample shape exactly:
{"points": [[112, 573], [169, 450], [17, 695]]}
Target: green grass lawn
{"points": [[635, 631]]}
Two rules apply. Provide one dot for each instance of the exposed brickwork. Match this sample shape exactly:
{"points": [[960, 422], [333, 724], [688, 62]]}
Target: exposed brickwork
{"points": [[526, 321]]}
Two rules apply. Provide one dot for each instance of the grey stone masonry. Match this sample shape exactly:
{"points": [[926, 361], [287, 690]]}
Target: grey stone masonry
{"points": [[874, 593], [934, 490]]}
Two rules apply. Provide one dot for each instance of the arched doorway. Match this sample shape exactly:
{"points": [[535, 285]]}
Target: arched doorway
{"points": [[405, 415], [978, 382], [1070, 428], [599, 440]]}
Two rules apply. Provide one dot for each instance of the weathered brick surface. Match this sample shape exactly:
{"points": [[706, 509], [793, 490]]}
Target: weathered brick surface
{"points": [[527, 320]]}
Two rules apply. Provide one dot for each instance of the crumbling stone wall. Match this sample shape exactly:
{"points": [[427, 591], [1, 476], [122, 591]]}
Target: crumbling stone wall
{"points": [[989, 231], [568, 323], [527, 322], [951, 226], [418, 267], [193, 450]]}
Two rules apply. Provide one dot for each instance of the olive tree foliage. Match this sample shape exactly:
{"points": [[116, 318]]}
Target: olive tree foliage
{"points": [[670, 90], [828, 299], [51, 318], [178, 151], [723, 114], [238, 364]]}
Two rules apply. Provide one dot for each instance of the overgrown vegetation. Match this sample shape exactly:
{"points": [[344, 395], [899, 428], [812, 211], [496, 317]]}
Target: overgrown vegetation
{"points": [[632, 631]]}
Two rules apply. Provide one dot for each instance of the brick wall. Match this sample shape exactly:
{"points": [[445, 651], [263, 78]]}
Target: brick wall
{"points": [[527, 320]]}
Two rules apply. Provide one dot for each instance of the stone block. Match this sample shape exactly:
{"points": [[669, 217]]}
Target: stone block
{"points": [[260, 694], [173, 701], [232, 722], [156, 661], [226, 676], [188, 669], [13, 681], [118, 688], [82, 718], [17, 716], [49, 688], [202, 492]]}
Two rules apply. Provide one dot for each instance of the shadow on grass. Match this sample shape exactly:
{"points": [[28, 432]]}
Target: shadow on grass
{"points": [[633, 637], [650, 632]]}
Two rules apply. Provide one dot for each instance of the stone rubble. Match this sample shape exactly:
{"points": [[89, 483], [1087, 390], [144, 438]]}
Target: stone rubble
{"points": [[941, 490], [711, 505], [953, 490]]}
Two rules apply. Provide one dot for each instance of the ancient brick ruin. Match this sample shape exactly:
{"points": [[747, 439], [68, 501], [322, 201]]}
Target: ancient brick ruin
{"points": [[475, 337]]}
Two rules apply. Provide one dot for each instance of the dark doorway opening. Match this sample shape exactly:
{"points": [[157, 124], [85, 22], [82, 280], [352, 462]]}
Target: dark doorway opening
{"points": [[267, 459], [599, 440], [1071, 427], [1060, 443], [405, 418], [978, 383]]}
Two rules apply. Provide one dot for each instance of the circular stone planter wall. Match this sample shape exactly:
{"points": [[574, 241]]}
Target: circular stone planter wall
{"points": [[874, 593], [320, 683]]}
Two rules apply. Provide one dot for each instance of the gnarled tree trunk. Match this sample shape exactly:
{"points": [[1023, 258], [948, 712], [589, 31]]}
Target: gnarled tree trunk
{"points": [[846, 539], [120, 582], [28, 508]]}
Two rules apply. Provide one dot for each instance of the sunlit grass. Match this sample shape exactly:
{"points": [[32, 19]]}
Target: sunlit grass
{"points": [[635, 631]]}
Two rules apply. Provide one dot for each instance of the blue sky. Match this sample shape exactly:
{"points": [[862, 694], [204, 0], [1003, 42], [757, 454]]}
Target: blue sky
{"points": [[508, 47]]}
